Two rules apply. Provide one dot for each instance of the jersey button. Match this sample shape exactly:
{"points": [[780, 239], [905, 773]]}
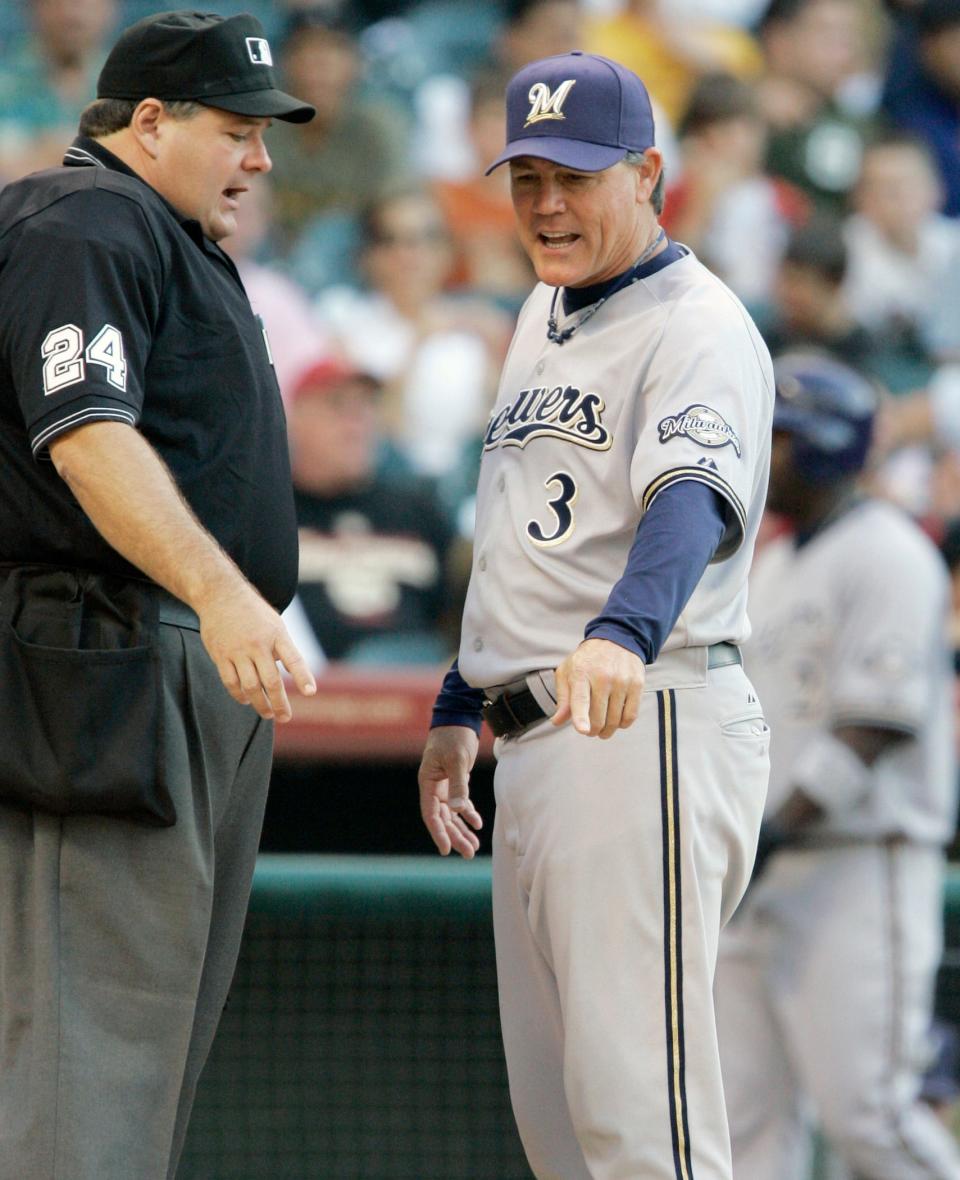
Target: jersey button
{"points": [[501, 484], [478, 644], [482, 564], [541, 365]]}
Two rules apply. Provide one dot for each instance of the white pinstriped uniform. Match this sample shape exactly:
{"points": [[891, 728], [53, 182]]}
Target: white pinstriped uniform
{"points": [[826, 974], [616, 861]]}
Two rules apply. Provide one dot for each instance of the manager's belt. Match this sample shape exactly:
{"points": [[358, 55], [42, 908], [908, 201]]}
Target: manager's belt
{"points": [[515, 709]]}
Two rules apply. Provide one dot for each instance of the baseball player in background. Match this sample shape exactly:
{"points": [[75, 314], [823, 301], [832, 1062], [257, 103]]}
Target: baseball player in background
{"points": [[624, 472], [826, 974]]}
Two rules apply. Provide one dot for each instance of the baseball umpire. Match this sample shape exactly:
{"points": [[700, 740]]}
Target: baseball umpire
{"points": [[825, 977], [147, 542], [623, 476]]}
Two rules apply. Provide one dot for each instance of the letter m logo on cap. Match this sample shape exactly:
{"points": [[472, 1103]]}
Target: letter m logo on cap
{"points": [[544, 105], [259, 51]]}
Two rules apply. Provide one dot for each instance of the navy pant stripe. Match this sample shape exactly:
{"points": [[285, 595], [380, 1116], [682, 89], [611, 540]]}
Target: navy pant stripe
{"points": [[672, 937]]}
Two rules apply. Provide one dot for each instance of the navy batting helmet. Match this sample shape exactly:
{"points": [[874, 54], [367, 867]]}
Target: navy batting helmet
{"points": [[828, 410]]}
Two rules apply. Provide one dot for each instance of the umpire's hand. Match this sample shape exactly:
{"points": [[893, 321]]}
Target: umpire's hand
{"points": [[444, 779], [245, 637], [599, 687], [132, 500]]}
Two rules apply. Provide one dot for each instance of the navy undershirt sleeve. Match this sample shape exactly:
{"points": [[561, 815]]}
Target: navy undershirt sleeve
{"points": [[674, 544], [457, 703]]}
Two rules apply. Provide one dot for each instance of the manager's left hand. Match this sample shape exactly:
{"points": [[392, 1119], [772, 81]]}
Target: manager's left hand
{"points": [[599, 687]]}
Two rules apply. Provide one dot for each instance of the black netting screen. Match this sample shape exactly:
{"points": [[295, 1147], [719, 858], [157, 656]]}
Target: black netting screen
{"points": [[360, 1042]]}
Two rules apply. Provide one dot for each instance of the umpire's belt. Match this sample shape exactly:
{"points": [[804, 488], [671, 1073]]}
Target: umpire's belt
{"points": [[175, 612], [515, 708]]}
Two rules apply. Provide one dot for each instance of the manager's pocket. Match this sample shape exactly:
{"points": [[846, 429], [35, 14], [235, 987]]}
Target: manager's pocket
{"points": [[747, 725], [82, 726]]}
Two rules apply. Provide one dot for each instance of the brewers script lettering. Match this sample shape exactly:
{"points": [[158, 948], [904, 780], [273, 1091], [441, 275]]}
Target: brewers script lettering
{"points": [[564, 413]]}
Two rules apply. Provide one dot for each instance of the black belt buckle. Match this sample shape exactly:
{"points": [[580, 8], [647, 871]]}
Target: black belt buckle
{"points": [[513, 712]]}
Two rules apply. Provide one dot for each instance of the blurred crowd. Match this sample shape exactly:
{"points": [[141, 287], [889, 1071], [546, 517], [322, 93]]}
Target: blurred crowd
{"points": [[813, 161]]}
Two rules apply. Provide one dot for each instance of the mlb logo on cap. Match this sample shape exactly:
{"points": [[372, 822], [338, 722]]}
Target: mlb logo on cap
{"points": [[259, 51], [578, 110]]}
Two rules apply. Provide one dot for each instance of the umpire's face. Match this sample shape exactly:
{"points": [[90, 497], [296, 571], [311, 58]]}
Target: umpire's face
{"points": [[203, 164], [581, 228]]}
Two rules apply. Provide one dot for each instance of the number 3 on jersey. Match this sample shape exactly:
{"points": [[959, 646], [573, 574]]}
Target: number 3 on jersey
{"points": [[562, 508], [63, 364]]}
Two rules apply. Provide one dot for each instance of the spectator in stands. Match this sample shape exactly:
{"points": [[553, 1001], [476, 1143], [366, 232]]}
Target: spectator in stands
{"points": [[479, 212], [922, 92], [811, 310], [292, 327], [671, 48], [735, 218], [374, 548], [537, 28], [741, 14], [902, 251], [531, 29], [438, 355], [354, 150], [47, 80], [917, 449], [813, 49], [926, 416]]}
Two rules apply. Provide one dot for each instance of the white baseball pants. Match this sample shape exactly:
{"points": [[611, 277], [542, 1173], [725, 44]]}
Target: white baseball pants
{"points": [[615, 864], [824, 992]]}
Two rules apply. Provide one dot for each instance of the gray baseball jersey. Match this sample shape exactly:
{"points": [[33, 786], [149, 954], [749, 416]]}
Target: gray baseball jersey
{"points": [[850, 629], [825, 976], [670, 382]]}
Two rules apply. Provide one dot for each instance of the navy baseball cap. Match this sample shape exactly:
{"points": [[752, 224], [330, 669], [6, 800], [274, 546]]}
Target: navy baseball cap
{"points": [[182, 56], [578, 110]]}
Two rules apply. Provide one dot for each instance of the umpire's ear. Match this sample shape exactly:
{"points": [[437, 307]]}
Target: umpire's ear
{"points": [[648, 173], [146, 125]]}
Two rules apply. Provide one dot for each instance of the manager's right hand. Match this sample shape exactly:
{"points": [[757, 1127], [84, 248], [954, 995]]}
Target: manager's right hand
{"points": [[444, 778]]}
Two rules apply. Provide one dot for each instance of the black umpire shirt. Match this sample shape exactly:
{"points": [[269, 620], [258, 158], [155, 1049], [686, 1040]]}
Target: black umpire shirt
{"points": [[114, 306]]}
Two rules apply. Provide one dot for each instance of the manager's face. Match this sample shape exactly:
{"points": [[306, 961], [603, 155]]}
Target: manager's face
{"points": [[581, 228]]}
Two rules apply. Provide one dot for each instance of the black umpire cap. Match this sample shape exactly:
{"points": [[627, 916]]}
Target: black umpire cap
{"points": [[220, 62]]}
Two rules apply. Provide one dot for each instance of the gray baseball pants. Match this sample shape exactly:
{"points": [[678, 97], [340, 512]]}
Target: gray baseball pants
{"points": [[118, 943]]}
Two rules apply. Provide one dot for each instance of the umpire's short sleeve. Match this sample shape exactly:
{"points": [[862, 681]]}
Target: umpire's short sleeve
{"points": [[80, 298]]}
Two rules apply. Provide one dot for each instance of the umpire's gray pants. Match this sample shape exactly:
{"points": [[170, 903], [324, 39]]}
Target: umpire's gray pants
{"points": [[118, 944]]}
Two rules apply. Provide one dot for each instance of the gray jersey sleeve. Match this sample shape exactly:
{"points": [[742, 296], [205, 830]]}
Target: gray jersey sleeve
{"points": [[893, 591], [704, 411]]}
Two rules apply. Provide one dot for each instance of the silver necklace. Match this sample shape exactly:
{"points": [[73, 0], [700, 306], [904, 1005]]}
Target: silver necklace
{"points": [[561, 337]]}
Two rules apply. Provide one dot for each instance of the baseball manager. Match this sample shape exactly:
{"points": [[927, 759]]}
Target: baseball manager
{"points": [[147, 542], [623, 476]]}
